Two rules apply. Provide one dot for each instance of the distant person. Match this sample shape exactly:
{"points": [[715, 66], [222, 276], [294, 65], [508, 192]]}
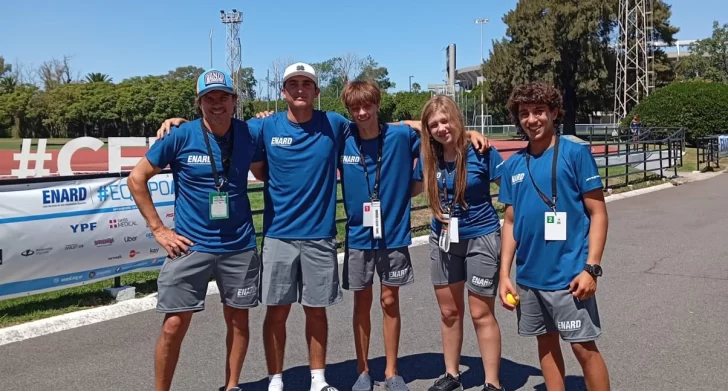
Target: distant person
{"points": [[376, 173], [213, 235], [555, 225], [636, 128], [465, 237]]}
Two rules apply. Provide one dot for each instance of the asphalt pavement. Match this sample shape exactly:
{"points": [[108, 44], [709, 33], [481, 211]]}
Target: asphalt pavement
{"points": [[663, 301]]}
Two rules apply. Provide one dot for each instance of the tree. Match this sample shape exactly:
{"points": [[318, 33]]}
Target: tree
{"points": [[4, 68], [97, 77], [416, 87], [566, 43], [55, 72], [370, 70], [708, 58]]}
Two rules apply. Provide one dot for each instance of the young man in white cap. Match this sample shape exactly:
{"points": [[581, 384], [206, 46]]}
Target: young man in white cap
{"points": [[301, 147], [213, 234]]}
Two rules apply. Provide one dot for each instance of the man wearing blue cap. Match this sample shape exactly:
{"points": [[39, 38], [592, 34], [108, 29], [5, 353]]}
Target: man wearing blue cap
{"points": [[214, 234]]}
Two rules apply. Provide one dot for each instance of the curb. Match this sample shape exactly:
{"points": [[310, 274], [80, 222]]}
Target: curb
{"points": [[87, 317]]}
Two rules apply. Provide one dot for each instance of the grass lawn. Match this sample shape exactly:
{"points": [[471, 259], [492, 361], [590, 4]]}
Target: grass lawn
{"points": [[52, 144]]}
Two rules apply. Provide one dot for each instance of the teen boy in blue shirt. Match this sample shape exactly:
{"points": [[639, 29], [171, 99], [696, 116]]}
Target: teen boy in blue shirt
{"points": [[555, 225]]}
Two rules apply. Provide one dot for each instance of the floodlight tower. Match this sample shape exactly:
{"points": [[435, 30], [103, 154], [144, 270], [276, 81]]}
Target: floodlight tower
{"points": [[635, 76], [234, 54], [481, 22]]}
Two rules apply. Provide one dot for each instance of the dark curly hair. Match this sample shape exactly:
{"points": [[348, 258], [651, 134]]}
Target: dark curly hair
{"points": [[535, 93]]}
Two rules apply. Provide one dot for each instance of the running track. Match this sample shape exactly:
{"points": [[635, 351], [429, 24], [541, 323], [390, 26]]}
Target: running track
{"points": [[86, 160], [663, 302]]}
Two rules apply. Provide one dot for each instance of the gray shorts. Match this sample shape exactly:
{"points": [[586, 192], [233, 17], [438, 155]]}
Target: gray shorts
{"points": [[393, 266], [540, 312], [304, 271], [182, 282], [475, 261]]}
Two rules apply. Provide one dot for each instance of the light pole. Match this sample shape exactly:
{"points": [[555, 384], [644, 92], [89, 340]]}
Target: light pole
{"points": [[210, 48], [481, 22], [410, 81]]}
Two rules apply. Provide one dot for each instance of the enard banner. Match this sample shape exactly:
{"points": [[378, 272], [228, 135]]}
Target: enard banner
{"points": [[58, 234]]}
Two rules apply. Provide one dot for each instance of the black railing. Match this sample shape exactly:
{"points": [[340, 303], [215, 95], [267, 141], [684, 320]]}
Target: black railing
{"points": [[708, 150]]}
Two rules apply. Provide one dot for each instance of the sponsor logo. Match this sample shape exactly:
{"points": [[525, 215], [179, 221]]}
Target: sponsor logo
{"points": [[591, 178], [70, 247], [350, 159], [246, 291], [121, 223], [398, 273], [482, 282], [214, 77], [154, 250], [104, 242], [133, 253], [198, 159], [65, 196], [149, 235], [83, 227], [114, 257], [282, 141], [518, 178], [569, 325], [300, 67], [170, 215], [37, 251], [130, 239]]}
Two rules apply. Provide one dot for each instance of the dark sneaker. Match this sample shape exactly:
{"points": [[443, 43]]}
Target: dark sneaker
{"points": [[490, 387], [447, 383], [395, 383], [329, 388], [363, 383]]}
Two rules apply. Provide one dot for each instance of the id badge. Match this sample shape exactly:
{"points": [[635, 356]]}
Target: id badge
{"points": [[219, 206], [376, 220], [367, 209], [453, 229], [555, 226]]}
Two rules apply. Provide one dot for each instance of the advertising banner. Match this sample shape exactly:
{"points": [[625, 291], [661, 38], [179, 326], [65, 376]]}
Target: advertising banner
{"points": [[55, 235], [723, 145]]}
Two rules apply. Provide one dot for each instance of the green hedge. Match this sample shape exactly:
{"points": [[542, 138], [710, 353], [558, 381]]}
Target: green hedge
{"points": [[700, 107]]}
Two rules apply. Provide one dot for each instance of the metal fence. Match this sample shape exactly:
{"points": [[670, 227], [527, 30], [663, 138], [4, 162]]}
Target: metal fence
{"points": [[709, 151]]}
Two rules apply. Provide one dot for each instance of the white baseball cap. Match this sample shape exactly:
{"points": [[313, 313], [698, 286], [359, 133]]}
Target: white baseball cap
{"points": [[300, 69]]}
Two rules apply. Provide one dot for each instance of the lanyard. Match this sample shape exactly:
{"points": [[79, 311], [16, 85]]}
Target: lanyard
{"points": [[448, 209], [380, 141], [551, 204], [225, 159]]}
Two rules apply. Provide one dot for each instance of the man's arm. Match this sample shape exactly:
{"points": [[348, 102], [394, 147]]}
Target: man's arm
{"points": [[416, 188], [259, 170], [599, 225], [137, 182]]}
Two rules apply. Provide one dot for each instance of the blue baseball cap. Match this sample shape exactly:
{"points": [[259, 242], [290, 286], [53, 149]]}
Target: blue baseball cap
{"points": [[214, 80]]}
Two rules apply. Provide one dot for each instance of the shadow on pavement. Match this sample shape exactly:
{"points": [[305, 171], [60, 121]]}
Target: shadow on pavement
{"points": [[424, 366]]}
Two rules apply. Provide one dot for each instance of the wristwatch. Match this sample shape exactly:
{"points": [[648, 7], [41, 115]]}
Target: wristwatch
{"points": [[594, 270]]}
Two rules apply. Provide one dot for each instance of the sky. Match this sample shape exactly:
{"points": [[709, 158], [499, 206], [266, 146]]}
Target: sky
{"points": [[143, 37]]}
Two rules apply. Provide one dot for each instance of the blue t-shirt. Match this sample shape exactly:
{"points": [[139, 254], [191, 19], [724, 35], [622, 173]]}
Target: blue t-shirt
{"points": [[480, 218], [185, 151], [540, 264], [400, 148], [300, 193]]}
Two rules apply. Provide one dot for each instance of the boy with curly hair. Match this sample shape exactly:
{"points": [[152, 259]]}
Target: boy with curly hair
{"points": [[555, 225]]}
